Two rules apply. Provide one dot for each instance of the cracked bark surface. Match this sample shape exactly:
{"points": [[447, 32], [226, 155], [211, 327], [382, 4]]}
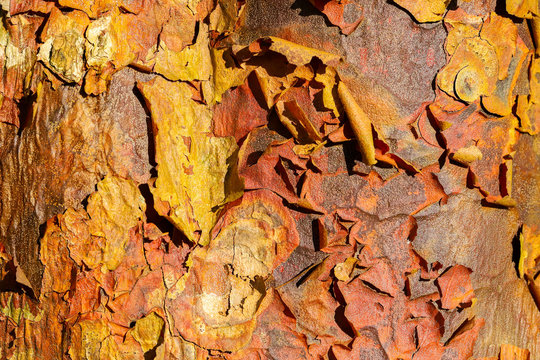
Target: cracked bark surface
{"points": [[252, 179]]}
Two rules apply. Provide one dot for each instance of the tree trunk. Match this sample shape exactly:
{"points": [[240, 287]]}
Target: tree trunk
{"points": [[251, 179]]}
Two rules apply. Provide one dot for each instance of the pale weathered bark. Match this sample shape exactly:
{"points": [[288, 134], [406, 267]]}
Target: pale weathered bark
{"points": [[260, 179]]}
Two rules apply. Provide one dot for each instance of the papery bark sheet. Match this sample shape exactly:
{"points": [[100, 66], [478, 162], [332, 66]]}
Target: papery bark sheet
{"points": [[251, 179]]}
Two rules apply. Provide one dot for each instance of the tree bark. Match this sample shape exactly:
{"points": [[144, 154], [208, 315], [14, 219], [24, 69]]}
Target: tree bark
{"points": [[251, 179]]}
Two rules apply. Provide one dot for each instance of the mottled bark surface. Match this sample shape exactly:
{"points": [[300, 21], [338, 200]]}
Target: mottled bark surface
{"points": [[251, 179]]}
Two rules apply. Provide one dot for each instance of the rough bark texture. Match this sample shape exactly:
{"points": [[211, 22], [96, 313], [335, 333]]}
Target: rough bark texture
{"points": [[256, 179]]}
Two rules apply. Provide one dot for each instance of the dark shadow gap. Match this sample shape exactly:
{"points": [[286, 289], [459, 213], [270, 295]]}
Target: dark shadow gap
{"points": [[25, 112], [339, 317], [516, 249], [150, 131], [152, 215], [500, 9]]}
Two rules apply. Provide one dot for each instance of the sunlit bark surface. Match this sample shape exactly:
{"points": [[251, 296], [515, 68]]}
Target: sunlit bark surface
{"points": [[269, 179]]}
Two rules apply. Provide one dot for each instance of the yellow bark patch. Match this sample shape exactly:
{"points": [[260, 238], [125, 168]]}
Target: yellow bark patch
{"points": [[87, 338], [196, 172], [329, 91], [147, 331], [360, 123], [467, 155], [297, 54], [511, 352], [297, 122], [529, 251], [116, 207], [343, 270], [225, 16], [63, 48], [425, 10], [460, 26], [523, 8], [225, 74], [505, 46], [476, 60], [191, 63]]}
